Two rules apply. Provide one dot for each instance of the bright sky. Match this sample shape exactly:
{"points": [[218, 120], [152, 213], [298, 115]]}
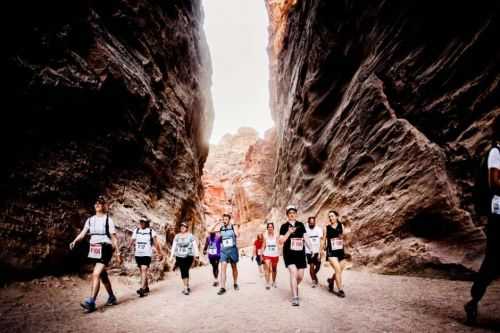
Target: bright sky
{"points": [[237, 36]]}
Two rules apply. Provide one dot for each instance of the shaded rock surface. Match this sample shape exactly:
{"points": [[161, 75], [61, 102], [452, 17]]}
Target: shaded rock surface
{"points": [[238, 178], [104, 97], [383, 111]]}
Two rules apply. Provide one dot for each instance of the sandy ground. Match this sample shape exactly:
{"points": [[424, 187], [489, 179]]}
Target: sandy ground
{"points": [[374, 303]]}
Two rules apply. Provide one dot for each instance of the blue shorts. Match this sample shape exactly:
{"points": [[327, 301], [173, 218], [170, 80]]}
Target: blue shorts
{"points": [[230, 255]]}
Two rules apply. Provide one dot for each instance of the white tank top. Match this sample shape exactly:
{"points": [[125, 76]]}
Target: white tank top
{"points": [[271, 249]]}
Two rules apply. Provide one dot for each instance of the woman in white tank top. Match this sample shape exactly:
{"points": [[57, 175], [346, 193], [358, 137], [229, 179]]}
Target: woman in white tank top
{"points": [[271, 255]]}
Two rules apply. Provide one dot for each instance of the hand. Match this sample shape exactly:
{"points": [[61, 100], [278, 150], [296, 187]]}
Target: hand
{"points": [[72, 245], [252, 258], [291, 230]]}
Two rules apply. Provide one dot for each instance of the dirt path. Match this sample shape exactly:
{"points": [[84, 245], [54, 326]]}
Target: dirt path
{"points": [[374, 303]]}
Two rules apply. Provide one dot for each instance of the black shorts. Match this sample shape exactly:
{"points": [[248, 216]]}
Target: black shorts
{"points": [[143, 261], [297, 259], [107, 254], [313, 259], [339, 254]]}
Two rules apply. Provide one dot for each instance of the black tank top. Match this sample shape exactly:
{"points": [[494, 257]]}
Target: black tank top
{"points": [[332, 232]]}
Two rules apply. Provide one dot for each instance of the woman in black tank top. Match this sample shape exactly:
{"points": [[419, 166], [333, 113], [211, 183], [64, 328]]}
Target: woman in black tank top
{"points": [[335, 251]]}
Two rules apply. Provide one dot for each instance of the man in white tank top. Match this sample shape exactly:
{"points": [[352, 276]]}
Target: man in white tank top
{"points": [[313, 256]]}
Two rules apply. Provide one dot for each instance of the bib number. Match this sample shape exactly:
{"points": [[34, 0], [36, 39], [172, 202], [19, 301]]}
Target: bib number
{"points": [[337, 243], [314, 240], [272, 250], [495, 205], [212, 251], [227, 242], [95, 251], [297, 244], [182, 250]]}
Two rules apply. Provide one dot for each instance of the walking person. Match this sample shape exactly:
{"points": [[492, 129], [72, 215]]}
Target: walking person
{"points": [[185, 249], [103, 243], [258, 248], [270, 256], [213, 248], [313, 255], [229, 252], [335, 251], [490, 268], [293, 239], [145, 238]]}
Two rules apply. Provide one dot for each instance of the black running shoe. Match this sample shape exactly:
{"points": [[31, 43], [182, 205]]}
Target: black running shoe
{"points": [[140, 292], [146, 290], [341, 293], [236, 287], [330, 284], [221, 291], [471, 312]]}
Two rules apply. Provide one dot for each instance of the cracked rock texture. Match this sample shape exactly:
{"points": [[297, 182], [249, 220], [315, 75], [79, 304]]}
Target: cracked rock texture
{"points": [[383, 111], [103, 97]]}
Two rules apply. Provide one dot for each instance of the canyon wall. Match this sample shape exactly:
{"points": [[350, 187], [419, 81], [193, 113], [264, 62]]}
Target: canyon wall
{"points": [[383, 111], [238, 178], [102, 97]]}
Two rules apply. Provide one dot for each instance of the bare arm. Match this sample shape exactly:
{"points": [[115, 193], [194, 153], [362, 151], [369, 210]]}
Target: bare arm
{"points": [[284, 237], [237, 230], [172, 250], [80, 236], [308, 243], [195, 248]]}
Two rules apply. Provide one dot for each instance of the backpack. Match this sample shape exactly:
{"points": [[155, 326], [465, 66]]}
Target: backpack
{"points": [[483, 193]]}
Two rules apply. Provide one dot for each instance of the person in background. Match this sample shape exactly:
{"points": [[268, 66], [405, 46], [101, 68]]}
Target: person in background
{"points": [[185, 249], [145, 238], [213, 248], [258, 248]]}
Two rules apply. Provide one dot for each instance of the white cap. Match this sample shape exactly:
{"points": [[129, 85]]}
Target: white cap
{"points": [[291, 207]]}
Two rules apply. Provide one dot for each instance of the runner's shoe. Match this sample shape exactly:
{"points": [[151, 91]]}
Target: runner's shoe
{"points": [[112, 300], [341, 293], [146, 290], [268, 287], [221, 291], [141, 292], [330, 284], [295, 301], [88, 304], [236, 287]]}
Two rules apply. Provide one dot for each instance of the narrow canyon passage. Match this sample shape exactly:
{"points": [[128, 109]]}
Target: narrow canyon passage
{"points": [[374, 303]]}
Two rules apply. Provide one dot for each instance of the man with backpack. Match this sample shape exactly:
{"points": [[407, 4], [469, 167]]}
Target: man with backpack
{"points": [[144, 238], [490, 268]]}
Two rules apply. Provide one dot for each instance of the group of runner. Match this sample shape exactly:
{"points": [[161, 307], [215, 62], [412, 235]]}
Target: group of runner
{"points": [[300, 244]]}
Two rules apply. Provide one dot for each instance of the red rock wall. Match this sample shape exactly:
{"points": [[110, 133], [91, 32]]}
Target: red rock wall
{"points": [[104, 97], [383, 109], [238, 179]]}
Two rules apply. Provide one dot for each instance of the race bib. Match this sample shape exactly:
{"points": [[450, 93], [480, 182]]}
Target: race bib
{"points": [[337, 243], [297, 244], [182, 250], [95, 251], [227, 242], [272, 250], [212, 251], [495, 205], [314, 240]]}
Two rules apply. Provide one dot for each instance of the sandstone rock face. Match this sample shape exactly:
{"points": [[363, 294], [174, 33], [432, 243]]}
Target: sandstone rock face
{"points": [[238, 178], [105, 97], [383, 110]]}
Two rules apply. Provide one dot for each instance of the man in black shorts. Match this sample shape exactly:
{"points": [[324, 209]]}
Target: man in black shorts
{"points": [[293, 237]]}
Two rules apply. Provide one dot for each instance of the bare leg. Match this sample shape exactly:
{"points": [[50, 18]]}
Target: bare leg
{"points": [[96, 276], [235, 273], [267, 269], [275, 271], [293, 280], [337, 271], [223, 274], [144, 277]]}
